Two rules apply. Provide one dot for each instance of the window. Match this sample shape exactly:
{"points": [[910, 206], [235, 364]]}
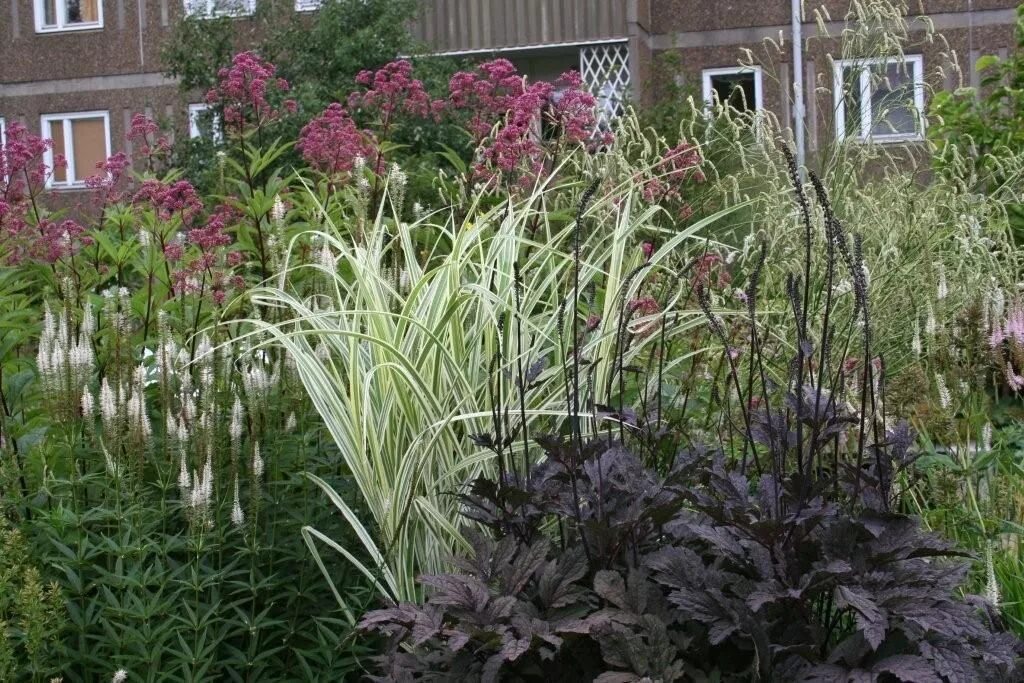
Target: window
{"points": [[879, 99], [307, 5], [203, 122], [217, 8], [68, 15], [83, 139], [737, 87]]}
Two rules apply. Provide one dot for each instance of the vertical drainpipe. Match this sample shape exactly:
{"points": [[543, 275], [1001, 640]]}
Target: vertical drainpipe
{"points": [[799, 113], [140, 6]]}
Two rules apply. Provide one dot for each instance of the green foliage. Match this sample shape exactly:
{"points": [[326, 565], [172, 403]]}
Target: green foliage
{"points": [[979, 132], [32, 613]]}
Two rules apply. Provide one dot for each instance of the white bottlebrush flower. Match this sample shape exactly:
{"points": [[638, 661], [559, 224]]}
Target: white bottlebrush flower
{"points": [[88, 404], [237, 417], [930, 325], [418, 213], [945, 398], [120, 676], [207, 482], [88, 327], [915, 343], [986, 438], [942, 289], [257, 461], [277, 211], [325, 258], [991, 584], [184, 478], [237, 516], [397, 182], [108, 406]]}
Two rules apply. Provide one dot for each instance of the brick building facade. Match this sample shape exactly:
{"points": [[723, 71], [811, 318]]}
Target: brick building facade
{"points": [[77, 70]]}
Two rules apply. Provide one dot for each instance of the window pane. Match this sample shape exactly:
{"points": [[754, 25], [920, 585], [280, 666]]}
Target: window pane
{"points": [[852, 100], [736, 90], [49, 12], [82, 11], [892, 101], [89, 138], [60, 175]]}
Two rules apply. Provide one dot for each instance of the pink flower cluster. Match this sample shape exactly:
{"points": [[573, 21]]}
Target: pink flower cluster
{"points": [[108, 182], [171, 199], [392, 89], [488, 93], [710, 265], [210, 270], [1011, 329], [677, 166], [495, 94], [244, 90], [331, 142], [24, 235], [1007, 342], [148, 140]]}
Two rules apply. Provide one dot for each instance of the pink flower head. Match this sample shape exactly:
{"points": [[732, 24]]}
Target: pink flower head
{"points": [[108, 180], [331, 142], [22, 171], [669, 175], [1013, 380], [1011, 329], [177, 199], [647, 249], [244, 90], [512, 120], [24, 234], [147, 138], [642, 307], [213, 234], [390, 90]]}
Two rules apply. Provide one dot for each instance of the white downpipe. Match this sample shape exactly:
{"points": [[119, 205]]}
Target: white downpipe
{"points": [[799, 112]]}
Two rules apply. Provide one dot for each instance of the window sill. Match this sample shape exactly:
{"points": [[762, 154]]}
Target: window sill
{"points": [[885, 139], [71, 29], [69, 187]]}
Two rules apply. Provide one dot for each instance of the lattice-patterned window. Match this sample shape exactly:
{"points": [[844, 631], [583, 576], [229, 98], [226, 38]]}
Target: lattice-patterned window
{"points": [[218, 8], [203, 122], [605, 73]]}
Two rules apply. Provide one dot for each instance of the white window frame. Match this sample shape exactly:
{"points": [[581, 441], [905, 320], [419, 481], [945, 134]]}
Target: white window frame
{"points": [[708, 91], [208, 8], [308, 5], [62, 12], [45, 122], [194, 112], [916, 62]]}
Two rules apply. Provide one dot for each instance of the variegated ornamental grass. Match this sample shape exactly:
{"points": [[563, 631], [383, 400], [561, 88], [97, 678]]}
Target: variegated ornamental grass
{"points": [[399, 366]]}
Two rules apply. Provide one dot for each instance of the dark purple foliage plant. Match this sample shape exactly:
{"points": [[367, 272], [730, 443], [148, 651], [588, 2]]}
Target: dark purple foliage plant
{"points": [[637, 554]]}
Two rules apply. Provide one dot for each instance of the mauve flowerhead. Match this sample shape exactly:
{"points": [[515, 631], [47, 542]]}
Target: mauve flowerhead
{"points": [[392, 90], [245, 89], [146, 137], [332, 142]]}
